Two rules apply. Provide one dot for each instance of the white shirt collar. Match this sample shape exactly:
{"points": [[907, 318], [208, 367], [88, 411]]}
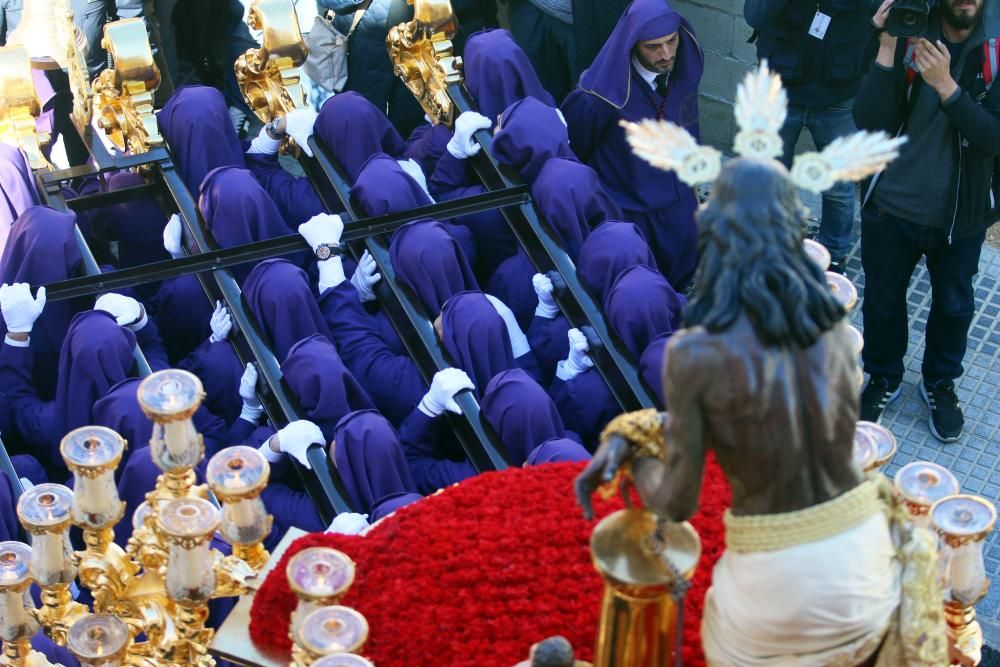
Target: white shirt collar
{"points": [[647, 76]]}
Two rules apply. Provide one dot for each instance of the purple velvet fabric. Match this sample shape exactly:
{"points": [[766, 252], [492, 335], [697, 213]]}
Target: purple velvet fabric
{"points": [[8, 518], [42, 249], [385, 506], [196, 125], [354, 129], [426, 145], [651, 365], [498, 73], [586, 405], [609, 250], [557, 450], [530, 134], [511, 283], [641, 306], [277, 293], [476, 338], [521, 413], [570, 197], [370, 459], [17, 186], [183, 314], [96, 355], [428, 260], [220, 372], [383, 187], [325, 388]]}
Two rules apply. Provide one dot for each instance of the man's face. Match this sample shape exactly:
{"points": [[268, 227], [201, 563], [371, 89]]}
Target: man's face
{"points": [[962, 14], [658, 55]]}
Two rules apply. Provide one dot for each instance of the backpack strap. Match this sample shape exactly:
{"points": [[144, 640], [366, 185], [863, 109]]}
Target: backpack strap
{"points": [[909, 63], [991, 61]]}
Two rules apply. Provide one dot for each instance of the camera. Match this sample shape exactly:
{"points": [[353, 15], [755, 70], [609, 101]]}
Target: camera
{"points": [[908, 18]]}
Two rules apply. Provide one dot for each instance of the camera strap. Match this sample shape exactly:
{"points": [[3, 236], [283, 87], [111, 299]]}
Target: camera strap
{"points": [[991, 62]]}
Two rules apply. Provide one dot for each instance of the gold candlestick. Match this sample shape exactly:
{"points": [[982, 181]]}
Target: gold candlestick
{"points": [[17, 624], [327, 631], [46, 511], [170, 398], [921, 484], [99, 640], [238, 475], [319, 577], [882, 442]]}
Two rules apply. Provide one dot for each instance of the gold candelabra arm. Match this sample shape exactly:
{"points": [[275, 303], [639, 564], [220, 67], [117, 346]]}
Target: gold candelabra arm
{"points": [[423, 57], [269, 76], [106, 570], [233, 577], [19, 107], [124, 93]]}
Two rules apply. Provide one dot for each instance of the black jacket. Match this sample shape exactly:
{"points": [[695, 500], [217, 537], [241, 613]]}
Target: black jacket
{"points": [[882, 104]]}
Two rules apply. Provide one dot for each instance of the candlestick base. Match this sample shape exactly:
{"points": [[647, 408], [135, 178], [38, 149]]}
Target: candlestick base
{"points": [[191, 644], [59, 611], [254, 555], [15, 653], [964, 629]]}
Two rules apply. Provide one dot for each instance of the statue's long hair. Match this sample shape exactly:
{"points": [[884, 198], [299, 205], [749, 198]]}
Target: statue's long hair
{"points": [[752, 259]]}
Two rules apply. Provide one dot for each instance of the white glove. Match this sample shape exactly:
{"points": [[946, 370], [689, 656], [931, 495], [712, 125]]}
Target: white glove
{"points": [[462, 145], [221, 323], [252, 408], [19, 309], [365, 277], [172, 235], [349, 523], [296, 438], [322, 228], [299, 126], [578, 360], [127, 311], [441, 395], [414, 171], [546, 307], [263, 144], [518, 341]]}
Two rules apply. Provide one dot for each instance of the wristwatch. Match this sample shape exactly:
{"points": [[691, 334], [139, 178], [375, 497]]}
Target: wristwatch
{"points": [[326, 250]]}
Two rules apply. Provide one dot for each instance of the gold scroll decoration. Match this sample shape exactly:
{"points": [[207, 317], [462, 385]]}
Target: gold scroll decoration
{"points": [[124, 92], [269, 76], [19, 106], [423, 56]]}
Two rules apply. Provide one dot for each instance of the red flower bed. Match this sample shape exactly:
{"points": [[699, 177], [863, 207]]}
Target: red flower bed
{"points": [[473, 576]]}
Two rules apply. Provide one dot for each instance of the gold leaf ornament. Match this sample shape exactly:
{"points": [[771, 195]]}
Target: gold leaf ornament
{"points": [[672, 148], [760, 111]]}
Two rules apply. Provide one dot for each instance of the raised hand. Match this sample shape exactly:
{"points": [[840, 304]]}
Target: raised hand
{"points": [[19, 308], [221, 323], [365, 276], [547, 307], [441, 396], [462, 145], [299, 126]]}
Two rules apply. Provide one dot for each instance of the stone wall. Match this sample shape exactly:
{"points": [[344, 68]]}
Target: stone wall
{"points": [[723, 35]]}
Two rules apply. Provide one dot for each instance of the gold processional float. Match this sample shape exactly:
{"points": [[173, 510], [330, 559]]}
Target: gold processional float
{"points": [[150, 600]]}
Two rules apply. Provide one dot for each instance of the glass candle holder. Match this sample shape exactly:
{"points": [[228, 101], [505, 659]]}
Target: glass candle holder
{"points": [[857, 339], [93, 453], [864, 450], [99, 640], [333, 629], [882, 440], [187, 526], [818, 253], [843, 290], [921, 484], [46, 511], [17, 623], [319, 577], [238, 475], [170, 398], [963, 522], [343, 660]]}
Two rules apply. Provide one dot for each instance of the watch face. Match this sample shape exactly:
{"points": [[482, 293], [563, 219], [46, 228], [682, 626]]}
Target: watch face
{"points": [[323, 251]]}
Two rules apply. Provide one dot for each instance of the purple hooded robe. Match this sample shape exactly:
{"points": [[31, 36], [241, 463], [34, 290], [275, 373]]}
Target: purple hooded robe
{"points": [[530, 134], [498, 73], [355, 129], [610, 249], [611, 91], [429, 261], [476, 338], [370, 459], [641, 306], [17, 186], [521, 413], [557, 450]]}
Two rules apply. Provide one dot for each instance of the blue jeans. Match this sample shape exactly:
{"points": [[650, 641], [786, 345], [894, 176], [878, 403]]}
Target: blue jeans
{"points": [[890, 250], [826, 124]]}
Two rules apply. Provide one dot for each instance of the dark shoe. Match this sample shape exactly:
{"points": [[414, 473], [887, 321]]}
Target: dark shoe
{"points": [[838, 265], [877, 394], [946, 420]]}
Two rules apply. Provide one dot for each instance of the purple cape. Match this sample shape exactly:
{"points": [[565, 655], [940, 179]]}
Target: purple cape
{"points": [[42, 249], [195, 123], [641, 306], [383, 187], [96, 355], [511, 283], [609, 77], [277, 293], [383, 507], [521, 413], [586, 405], [570, 197], [18, 189], [557, 450], [530, 134], [651, 365], [476, 338], [428, 260], [498, 73], [609, 250], [354, 129], [183, 314], [370, 459], [325, 388], [220, 372], [426, 145]]}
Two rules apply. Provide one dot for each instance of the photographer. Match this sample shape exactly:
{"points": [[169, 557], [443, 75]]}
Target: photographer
{"points": [[934, 201], [816, 48]]}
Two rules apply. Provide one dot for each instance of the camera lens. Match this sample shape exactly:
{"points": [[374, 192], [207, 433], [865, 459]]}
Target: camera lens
{"points": [[909, 19]]}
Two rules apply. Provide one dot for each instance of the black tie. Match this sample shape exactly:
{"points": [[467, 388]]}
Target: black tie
{"points": [[661, 84]]}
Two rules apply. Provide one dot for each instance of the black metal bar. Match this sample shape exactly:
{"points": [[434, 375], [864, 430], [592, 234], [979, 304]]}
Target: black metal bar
{"points": [[111, 197], [545, 251], [407, 315], [324, 487], [260, 250]]}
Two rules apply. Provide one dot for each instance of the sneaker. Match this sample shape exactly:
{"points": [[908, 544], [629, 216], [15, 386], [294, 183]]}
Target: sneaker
{"points": [[837, 265], [946, 420], [877, 394]]}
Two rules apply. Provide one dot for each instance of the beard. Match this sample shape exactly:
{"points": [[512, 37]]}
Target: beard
{"points": [[960, 21]]}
